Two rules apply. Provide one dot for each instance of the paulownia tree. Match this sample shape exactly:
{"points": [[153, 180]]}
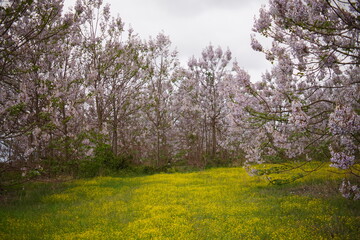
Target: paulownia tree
{"points": [[114, 62], [158, 99], [203, 103], [32, 33], [307, 106]]}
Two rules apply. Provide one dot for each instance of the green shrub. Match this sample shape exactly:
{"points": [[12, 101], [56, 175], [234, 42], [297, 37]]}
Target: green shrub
{"points": [[104, 162]]}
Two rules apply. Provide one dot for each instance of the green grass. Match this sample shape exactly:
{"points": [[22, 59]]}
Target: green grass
{"points": [[222, 203]]}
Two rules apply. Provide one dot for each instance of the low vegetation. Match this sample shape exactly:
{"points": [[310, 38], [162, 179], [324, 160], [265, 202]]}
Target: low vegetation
{"points": [[219, 203]]}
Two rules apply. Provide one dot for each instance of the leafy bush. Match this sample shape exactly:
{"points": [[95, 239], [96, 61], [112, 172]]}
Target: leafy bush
{"points": [[103, 162]]}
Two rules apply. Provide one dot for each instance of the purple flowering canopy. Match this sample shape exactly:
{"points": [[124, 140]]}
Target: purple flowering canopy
{"points": [[309, 103]]}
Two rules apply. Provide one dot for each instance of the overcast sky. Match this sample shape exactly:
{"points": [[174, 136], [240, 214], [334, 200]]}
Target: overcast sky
{"points": [[194, 24]]}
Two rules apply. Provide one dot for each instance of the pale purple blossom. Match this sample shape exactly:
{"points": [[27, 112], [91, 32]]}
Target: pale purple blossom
{"points": [[344, 120], [342, 160], [349, 191], [263, 22], [298, 116], [255, 44]]}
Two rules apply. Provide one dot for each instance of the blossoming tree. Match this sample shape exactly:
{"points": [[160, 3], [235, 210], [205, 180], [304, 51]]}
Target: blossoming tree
{"points": [[203, 107], [308, 104]]}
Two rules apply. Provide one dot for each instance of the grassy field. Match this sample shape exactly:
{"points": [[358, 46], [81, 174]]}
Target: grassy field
{"points": [[222, 203]]}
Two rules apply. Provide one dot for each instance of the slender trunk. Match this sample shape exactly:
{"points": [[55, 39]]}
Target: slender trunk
{"points": [[97, 81], [99, 114], [159, 122], [158, 148], [65, 124], [213, 120], [38, 124], [158, 137], [213, 127], [205, 149], [65, 129], [115, 129]]}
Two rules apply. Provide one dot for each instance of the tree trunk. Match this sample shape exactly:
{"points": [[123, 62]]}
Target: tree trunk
{"points": [[213, 128], [65, 129], [115, 129]]}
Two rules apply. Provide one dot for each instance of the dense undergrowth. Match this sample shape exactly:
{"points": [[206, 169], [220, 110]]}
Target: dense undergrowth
{"points": [[219, 203]]}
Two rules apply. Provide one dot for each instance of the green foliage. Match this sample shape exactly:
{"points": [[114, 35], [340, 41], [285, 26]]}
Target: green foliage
{"points": [[9, 176], [278, 158], [13, 176], [271, 170], [264, 116], [104, 161], [65, 154], [16, 109], [146, 169], [280, 174], [290, 179], [221, 159], [320, 152]]}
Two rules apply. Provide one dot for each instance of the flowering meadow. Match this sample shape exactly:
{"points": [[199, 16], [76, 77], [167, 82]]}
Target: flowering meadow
{"points": [[219, 203]]}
